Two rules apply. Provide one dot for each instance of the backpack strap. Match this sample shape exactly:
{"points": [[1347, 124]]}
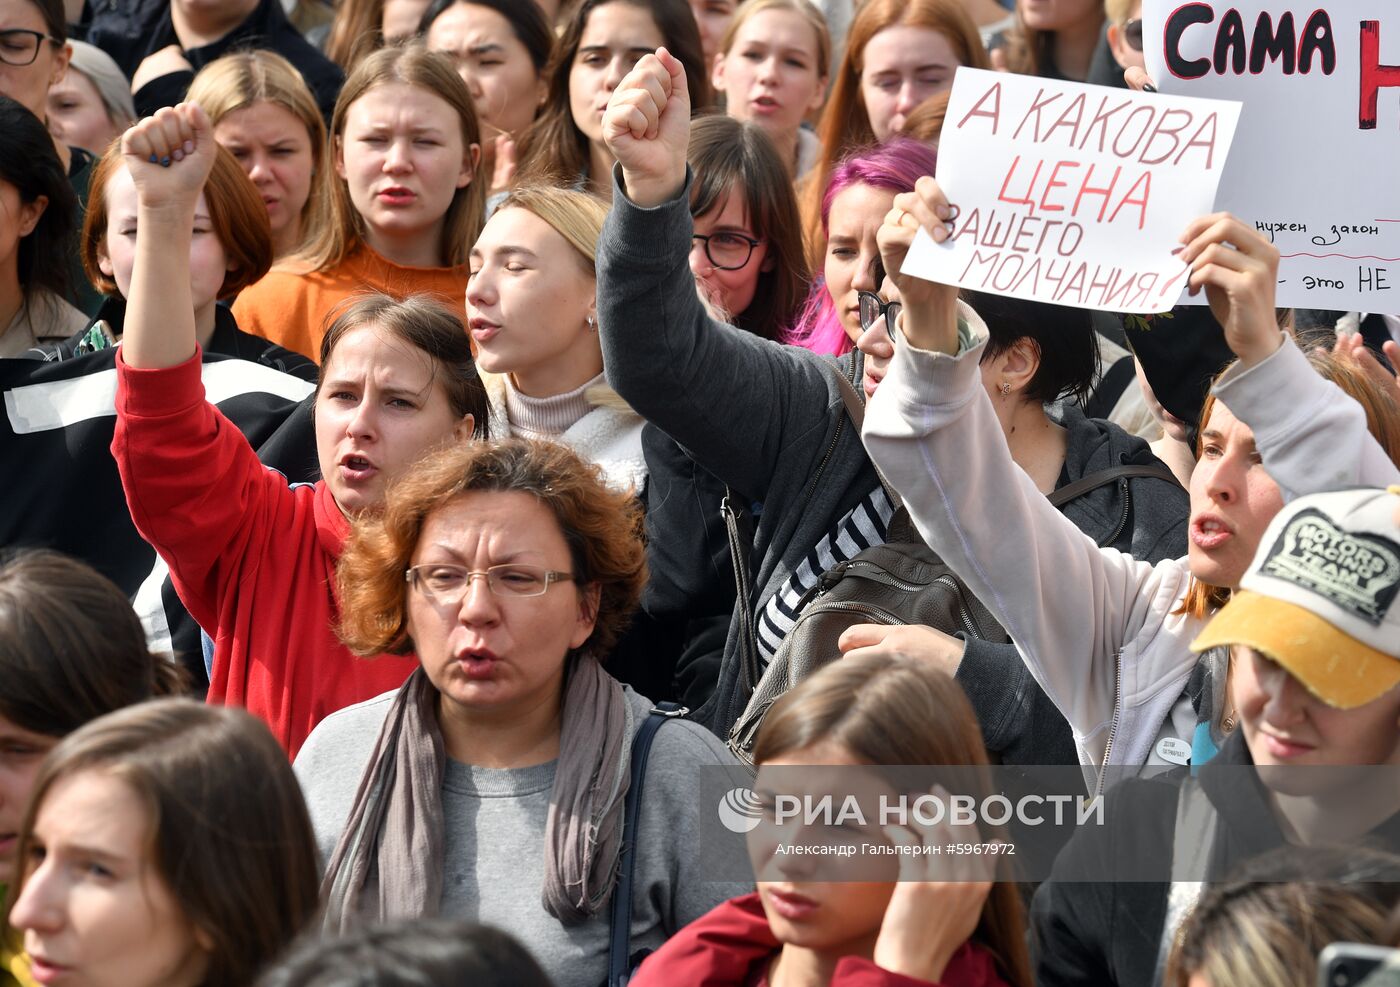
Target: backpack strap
{"points": [[855, 407], [620, 914], [1103, 477]]}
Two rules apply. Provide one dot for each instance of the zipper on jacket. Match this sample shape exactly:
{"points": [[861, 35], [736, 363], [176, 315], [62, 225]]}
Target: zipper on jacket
{"points": [[1113, 726], [1123, 518]]}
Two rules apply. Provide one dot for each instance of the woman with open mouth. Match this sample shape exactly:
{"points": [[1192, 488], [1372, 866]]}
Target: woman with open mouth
{"points": [[1106, 635], [772, 69], [493, 782], [250, 555]]}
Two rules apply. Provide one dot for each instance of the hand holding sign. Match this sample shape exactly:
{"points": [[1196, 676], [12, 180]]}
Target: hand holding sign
{"points": [[1238, 268], [929, 314], [1072, 194]]}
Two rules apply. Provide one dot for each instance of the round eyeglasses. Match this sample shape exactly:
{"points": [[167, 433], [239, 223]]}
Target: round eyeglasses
{"points": [[447, 584], [727, 251], [19, 47], [873, 308]]}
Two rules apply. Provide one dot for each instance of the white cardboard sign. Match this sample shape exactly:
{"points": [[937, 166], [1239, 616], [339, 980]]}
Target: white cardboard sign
{"points": [[1315, 161], [1072, 194]]}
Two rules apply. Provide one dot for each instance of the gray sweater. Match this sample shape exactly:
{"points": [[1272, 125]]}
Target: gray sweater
{"points": [[766, 419], [495, 821]]}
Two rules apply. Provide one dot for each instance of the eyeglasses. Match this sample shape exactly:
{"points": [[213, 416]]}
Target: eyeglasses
{"points": [[727, 251], [20, 47], [447, 584], [873, 307], [1132, 33]]}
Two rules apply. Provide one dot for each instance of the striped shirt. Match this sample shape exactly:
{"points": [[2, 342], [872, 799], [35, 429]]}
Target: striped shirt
{"points": [[863, 527]]}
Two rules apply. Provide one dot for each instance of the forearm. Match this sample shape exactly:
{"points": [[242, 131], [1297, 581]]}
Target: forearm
{"points": [[1311, 435], [931, 324], [1068, 606], [726, 396], [160, 330]]}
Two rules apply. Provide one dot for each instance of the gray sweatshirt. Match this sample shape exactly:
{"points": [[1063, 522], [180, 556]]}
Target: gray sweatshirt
{"points": [[494, 822], [766, 419]]}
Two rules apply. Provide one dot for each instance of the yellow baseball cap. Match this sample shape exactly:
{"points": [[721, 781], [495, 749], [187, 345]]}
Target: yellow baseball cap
{"points": [[1320, 596]]}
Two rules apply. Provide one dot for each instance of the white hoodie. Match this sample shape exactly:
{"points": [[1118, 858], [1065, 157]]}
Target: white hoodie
{"points": [[1095, 627]]}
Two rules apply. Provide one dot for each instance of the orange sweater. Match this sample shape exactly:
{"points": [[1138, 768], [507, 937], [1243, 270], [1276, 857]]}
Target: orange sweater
{"points": [[291, 309]]}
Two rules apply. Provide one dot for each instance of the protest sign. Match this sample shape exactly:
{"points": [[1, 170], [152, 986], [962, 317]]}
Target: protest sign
{"points": [[1072, 194], [1313, 164]]}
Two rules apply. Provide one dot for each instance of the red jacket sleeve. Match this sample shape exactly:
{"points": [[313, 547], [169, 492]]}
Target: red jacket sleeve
{"points": [[196, 490]]}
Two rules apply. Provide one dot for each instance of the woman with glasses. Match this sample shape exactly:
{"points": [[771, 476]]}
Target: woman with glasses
{"points": [[746, 255], [769, 420], [33, 54], [491, 785], [859, 192], [250, 555], [1125, 32]]}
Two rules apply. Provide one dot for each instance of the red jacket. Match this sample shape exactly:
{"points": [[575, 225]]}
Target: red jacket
{"points": [[730, 946], [252, 558]]}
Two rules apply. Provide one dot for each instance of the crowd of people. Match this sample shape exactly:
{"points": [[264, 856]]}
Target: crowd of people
{"points": [[445, 435]]}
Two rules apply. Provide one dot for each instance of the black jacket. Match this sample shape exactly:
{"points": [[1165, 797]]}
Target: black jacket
{"points": [[227, 340], [1108, 933], [130, 30], [692, 576]]}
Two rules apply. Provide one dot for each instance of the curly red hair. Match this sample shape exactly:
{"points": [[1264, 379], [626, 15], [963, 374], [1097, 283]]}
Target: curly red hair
{"points": [[602, 527]]}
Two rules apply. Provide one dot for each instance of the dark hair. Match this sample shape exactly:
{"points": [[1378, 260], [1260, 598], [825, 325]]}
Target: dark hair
{"points": [[553, 150], [29, 162], [71, 648], [601, 526], [526, 20], [1064, 338], [729, 157], [55, 20], [230, 833], [419, 953], [428, 327]]}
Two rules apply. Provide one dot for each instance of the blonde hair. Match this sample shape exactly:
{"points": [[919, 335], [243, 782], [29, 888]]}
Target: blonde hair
{"points": [[1267, 926], [576, 216], [1118, 11], [802, 8], [245, 78], [415, 66]]}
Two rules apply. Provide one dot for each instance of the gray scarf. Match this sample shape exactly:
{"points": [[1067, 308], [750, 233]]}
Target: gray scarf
{"points": [[388, 862]]}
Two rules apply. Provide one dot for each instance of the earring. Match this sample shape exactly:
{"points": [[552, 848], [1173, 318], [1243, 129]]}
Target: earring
{"points": [[592, 325], [1005, 388]]}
